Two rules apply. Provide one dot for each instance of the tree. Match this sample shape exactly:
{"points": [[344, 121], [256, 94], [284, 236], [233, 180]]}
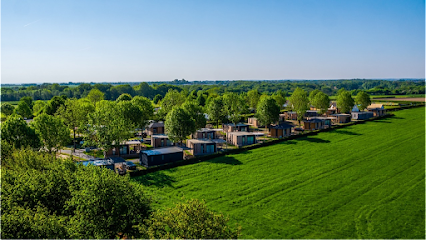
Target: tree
{"points": [[267, 111], [95, 96], [53, 105], [235, 106], [196, 113], [24, 110], [299, 101], [201, 100], [7, 109], [52, 198], [131, 112], [75, 113], [179, 124], [38, 107], [17, 133], [321, 102], [124, 97], [215, 110], [253, 97], [312, 95], [107, 127], [279, 97], [146, 108], [345, 102], [28, 100], [189, 220], [363, 99], [52, 130], [157, 98], [173, 98]]}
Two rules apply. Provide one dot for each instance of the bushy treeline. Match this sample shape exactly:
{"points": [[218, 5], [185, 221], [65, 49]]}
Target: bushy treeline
{"points": [[150, 90], [45, 197]]}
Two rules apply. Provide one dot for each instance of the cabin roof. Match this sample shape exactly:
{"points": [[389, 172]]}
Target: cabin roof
{"points": [[161, 151]]}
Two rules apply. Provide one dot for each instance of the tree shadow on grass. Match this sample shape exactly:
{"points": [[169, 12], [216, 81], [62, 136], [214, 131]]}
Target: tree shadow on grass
{"points": [[158, 179], [346, 132], [313, 140], [227, 159]]}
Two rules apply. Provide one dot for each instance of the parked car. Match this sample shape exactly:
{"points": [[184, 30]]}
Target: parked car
{"points": [[130, 166]]}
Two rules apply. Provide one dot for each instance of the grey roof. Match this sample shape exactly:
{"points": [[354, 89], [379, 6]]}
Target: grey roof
{"points": [[238, 124], [156, 124], [161, 151], [313, 120], [246, 133], [200, 140], [282, 126], [209, 130], [322, 118], [341, 115], [315, 111], [117, 159], [160, 136]]}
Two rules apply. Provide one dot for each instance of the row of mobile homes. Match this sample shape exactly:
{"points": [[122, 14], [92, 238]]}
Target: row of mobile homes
{"points": [[126, 149], [280, 130], [160, 156], [209, 133], [242, 138], [313, 124], [239, 127], [160, 141], [358, 115], [341, 118]]}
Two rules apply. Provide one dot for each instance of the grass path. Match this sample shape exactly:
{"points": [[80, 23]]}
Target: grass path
{"points": [[363, 181]]}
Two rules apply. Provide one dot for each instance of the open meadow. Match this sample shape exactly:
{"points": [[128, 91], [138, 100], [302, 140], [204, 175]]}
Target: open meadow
{"points": [[362, 181]]}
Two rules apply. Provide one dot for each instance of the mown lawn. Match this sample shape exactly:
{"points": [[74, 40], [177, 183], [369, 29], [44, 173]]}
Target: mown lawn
{"points": [[363, 181]]}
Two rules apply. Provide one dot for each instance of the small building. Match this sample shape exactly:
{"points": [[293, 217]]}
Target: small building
{"points": [[231, 127], [160, 141], [327, 120], [313, 124], [281, 117], [377, 110], [332, 110], [160, 156], [290, 116], [358, 115], [107, 163], [280, 130], [242, 138], [253, 121], [311, 113], [126, 149], [155, 128], [209, 133], [201, 146], [341, 118]]}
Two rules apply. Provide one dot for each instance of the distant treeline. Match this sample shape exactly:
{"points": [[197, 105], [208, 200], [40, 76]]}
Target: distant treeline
{"points": [[112, 91]]}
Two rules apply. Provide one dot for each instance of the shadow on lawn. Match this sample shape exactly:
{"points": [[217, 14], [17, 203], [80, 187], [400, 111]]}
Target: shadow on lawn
{"points": [[158, 179], [313, 140], [227, 160], [346, 132]]}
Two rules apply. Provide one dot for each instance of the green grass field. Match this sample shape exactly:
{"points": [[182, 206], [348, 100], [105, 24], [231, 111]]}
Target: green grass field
{"points": [[363, 181]]}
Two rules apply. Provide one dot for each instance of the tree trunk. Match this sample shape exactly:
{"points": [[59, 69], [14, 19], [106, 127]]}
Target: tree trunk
{"points": [[74, 139], [217, 124]]}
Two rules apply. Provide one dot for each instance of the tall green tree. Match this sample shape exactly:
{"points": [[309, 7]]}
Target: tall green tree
{"points": [[53, 105], [312, 95], [196, 113], [17, 133], [28, 100], [24, 110], [235, 106], [52, 130], [321, 102], [124, 97], [157, 98], [107, 126], [345, 102], [75, 113], [7, 109], [38, 107], [146, 108], [189, 220], [267, 111], [173, 98], [280, 98], [253, 97], [216, 110], [95, 96], [299, 102], [179, 124], [363, 99]]}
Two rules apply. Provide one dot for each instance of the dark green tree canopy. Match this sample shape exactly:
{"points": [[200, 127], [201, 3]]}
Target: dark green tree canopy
{"points": [[267, 111], [300, 102], [7, 109], [363, 99], [52, 131], [24, 110], [17, 133], [124, 97], [179, 124], [345, 102]]}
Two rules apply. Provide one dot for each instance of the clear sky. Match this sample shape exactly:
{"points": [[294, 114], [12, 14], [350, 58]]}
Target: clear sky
{"points": [[160, 40]]}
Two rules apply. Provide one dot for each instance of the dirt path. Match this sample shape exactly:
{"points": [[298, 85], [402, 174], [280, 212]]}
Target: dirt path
{"points": [[401, 99]]}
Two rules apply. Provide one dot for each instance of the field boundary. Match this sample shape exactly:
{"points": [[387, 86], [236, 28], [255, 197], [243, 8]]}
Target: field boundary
{"points": [[258, 145]]}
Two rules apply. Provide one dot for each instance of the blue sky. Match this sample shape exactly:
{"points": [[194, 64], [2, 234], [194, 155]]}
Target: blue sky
{"points": [[105, 40]]}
